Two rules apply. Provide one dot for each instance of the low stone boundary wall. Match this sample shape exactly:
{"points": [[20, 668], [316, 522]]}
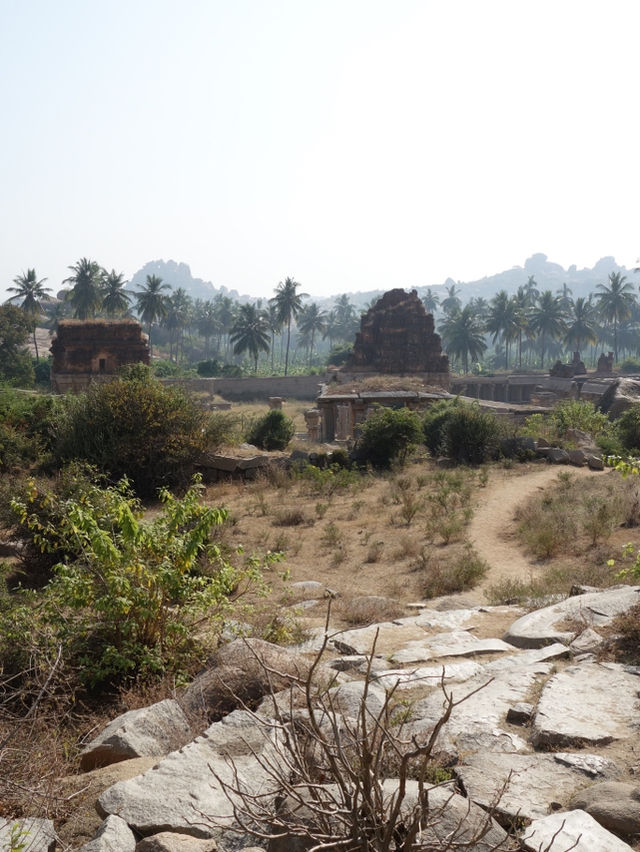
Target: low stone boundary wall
{"points": [[255, 387]]}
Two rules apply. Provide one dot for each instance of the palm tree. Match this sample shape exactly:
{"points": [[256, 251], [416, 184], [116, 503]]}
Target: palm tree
{"points": [[312, 320], [615, 303], [32, 292], [430, 300], [463, 336], [289, 304], [115, 301], [151, 302], [177, 318], [531, 289], [521, 305], [250, 333], [581, 326], [86, 294], [547, 320], [502, 321], [208, 323], [564, 293], [451, 303]]}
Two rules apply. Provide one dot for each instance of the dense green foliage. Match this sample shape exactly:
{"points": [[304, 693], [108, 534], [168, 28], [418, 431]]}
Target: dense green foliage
{"points": [[273, 431], [126, 596], [16, 364], [388, 436], [134, 427], [628, 427], [464, 433]]}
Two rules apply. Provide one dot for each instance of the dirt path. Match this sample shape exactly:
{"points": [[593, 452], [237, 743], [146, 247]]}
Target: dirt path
{"points": [[493, 530]]}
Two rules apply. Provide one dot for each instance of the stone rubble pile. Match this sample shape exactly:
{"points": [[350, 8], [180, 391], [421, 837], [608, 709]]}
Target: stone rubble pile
{"points": [[548, 739]]}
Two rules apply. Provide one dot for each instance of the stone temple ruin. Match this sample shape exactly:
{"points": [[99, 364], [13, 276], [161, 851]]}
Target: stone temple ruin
{"points": [[397, 336], [86, 351]]}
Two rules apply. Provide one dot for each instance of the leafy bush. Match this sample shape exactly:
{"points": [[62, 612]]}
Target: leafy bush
{"points": [[628, 428], [273, 431], [209, 368], [128, 603], [447, 578], [26, 427], [339, 355], [630, 365], [577, 414], [134, 427], [464, 433], [388, 436]]}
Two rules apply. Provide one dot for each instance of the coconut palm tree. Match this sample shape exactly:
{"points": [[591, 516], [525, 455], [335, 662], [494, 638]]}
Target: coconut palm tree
{"points": [[521, 305], [547, 320], [179, 306], [289, 304], [312, 320], [151, 302], [250, 333], [430, 300], [581, 323], [451, 303], [615, 303], [502, 321], [86, 293], [115, 300], [32, 292], [208, 323], [463, 336]]}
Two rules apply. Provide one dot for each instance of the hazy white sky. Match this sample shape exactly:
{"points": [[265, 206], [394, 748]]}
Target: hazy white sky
{"points": [[351, 144]]}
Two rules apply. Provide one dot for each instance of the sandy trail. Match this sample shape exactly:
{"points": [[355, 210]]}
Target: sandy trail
{"points": [[493, 529]]}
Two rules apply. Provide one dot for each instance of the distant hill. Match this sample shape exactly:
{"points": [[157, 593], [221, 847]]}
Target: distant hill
{"points": [[548, 276], [179, 275]]}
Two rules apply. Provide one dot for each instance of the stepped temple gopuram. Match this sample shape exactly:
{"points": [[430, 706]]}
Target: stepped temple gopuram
{"points": [[86, 351], [397, 337]]}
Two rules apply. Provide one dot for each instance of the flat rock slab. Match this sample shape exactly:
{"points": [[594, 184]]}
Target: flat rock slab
{"points": [[148, 732], [169, 841], [574, 830], [181, 793], [114, 834], [457, 643], [587, 704], [614, 804], [530, 659], [545, 626], [593, 765], [390, 638], [35, 835], [427, 676], [536, 784]]}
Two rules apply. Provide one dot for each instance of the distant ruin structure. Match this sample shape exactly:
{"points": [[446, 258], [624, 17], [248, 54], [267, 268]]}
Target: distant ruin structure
{"points": [[86, 351], [397, 337], [568, 371], [605, 363]]}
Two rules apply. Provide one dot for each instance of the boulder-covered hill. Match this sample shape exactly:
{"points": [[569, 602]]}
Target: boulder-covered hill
{"points": [[179, 275]]}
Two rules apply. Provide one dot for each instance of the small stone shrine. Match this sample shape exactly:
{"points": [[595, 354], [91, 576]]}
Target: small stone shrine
{"points": [[397, 337], [86, 351], [605, 363], [568, 371]]}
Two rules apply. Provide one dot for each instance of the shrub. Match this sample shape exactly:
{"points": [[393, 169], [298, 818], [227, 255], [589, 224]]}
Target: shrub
{"points": [[628, 428], [134, 427], [209, 368], [577, 414], [388, 436], [630, 365], [464, 433], [445, 579], [273, 431], [128, 604]]}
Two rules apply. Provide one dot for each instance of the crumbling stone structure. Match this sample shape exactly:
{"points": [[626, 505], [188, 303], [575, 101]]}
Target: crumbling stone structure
{"points": [[397, 336], [568, 371], [86, 351], [605, 363]]}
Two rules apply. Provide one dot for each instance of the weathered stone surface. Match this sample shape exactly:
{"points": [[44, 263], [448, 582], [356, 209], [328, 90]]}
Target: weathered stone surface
{"points": [[397, 335], [37, 835], [243, 672], [148, 732], [427, 675], [169, 841], [576, 707], [587, 642], [488, 705], [539, 628], [520, 713], [348, 662], [114, 835], [619, 396], [479, 737], [574, 830], [528, 659], [536, 783], [557, 456], [347, 699], [593, 765], [307, 590], [614, 804], [595, 462], [457, 643], [181, 793], [577, 458]]}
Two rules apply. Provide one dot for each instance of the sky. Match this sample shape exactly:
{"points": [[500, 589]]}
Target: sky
{"points": [[350, 144]]}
